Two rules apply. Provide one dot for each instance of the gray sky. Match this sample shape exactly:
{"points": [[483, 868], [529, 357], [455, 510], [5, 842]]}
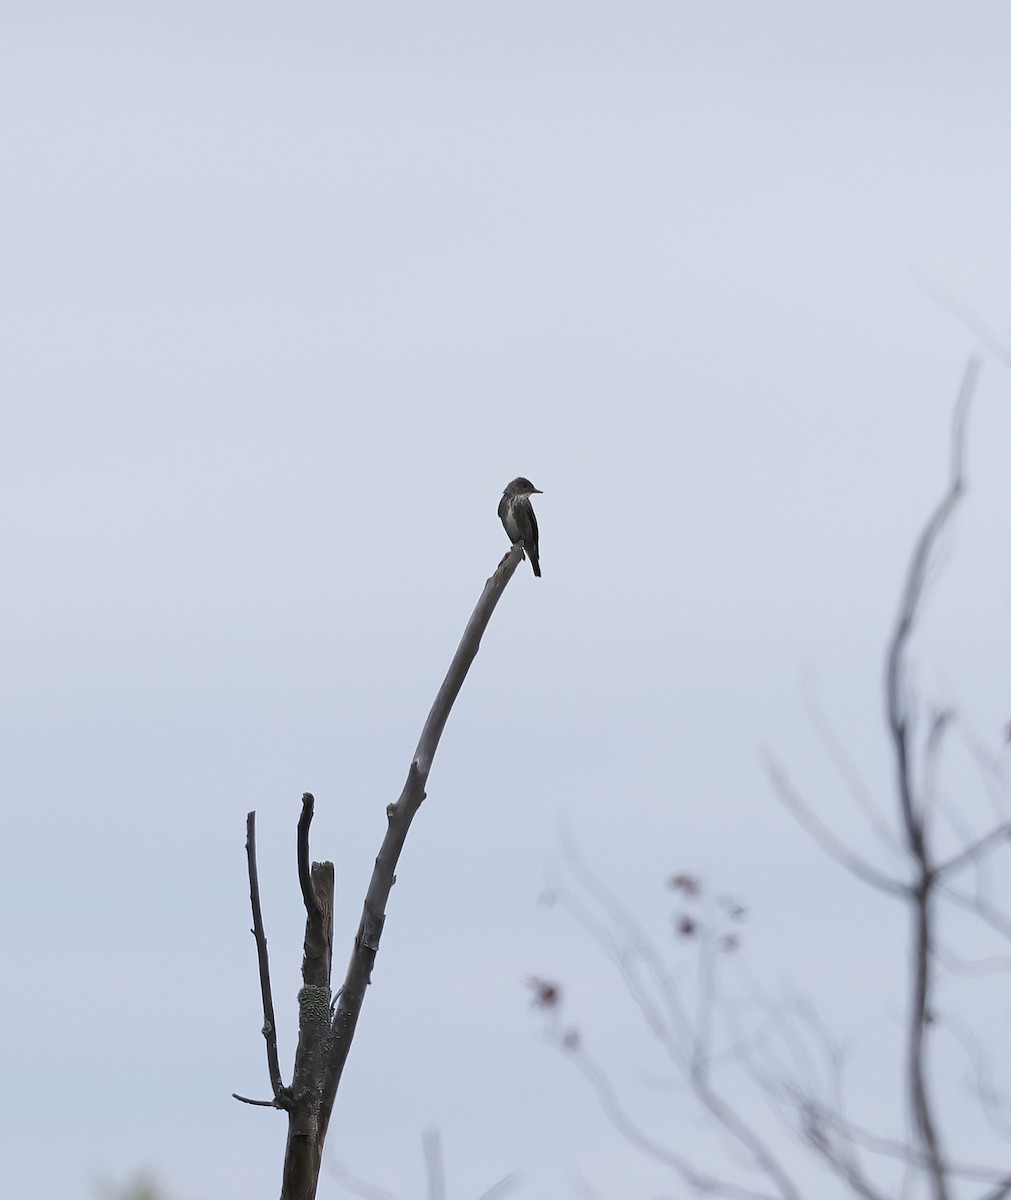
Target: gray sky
{"points": [[289, 293]]}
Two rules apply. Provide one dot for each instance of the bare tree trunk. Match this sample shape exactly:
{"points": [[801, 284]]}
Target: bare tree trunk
{"points": [[326, 1026]]}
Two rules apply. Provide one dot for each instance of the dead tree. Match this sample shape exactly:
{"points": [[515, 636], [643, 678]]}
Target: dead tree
{"points": [[326, 1023]]}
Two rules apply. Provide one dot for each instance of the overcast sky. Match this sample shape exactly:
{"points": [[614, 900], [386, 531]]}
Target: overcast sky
{"points": [[289, 293]]}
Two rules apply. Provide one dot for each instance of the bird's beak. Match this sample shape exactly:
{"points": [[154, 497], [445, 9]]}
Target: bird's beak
{"points": [[537, 492]]}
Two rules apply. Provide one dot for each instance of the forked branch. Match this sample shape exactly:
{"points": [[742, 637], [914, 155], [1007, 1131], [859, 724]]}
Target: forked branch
{"points": [[326, 1028]]}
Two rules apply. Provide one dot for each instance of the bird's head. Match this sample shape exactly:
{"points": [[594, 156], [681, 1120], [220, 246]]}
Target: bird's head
{"points": [[522, 487]]}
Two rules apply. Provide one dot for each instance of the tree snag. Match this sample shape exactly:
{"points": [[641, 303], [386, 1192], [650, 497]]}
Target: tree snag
{"points": [[326, 1024]]}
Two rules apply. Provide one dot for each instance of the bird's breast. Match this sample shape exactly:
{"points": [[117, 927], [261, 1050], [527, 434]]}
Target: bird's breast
{"points": [[511, 524]]}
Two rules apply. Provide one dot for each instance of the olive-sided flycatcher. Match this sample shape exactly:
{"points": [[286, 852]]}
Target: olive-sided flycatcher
{"points": [[517, 515]]}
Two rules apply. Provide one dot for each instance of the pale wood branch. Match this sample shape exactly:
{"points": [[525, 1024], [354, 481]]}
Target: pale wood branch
{"points": [[399, 818]]}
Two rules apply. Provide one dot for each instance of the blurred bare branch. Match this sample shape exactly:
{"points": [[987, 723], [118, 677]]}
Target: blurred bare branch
{"points": [[700, 1182], [975, 851], [687, 1041], [504, 1186], [844, 764], [970, 319], [435, 1176], [825, 838], [357, 1187], [793, 1061]]}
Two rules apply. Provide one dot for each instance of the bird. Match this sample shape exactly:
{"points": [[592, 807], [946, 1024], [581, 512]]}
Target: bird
{"points": [[517, 516]]}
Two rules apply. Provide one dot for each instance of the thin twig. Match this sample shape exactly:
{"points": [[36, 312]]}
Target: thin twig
{"points": [[698, 1181], [996, 1105], [1001, 1191], [824, 1126], [972, 321], [991, 771], [844, 764], [825, 838], [940, 723], [687, 1042], [987, 913], [257, 1103], [626, 947], [281, 1097], [502, 1187], [358, 1187], [974, 852], [958, 965]]}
